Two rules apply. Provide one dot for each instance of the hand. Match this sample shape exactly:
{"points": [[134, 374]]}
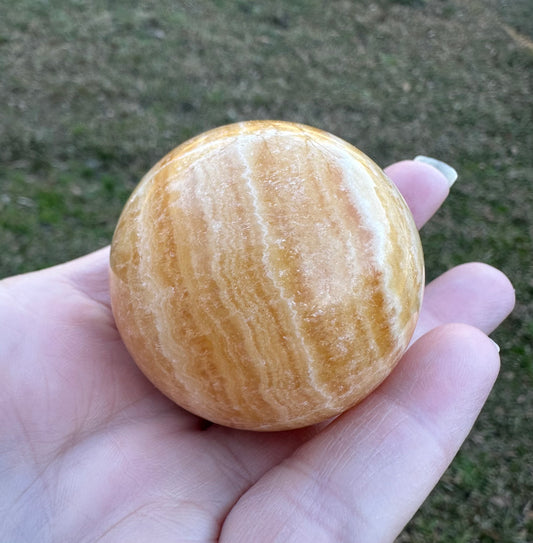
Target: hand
{"points": [[90, 451]]}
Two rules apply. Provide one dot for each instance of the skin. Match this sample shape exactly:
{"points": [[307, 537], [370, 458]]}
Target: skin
{"points": [[90, 451]]}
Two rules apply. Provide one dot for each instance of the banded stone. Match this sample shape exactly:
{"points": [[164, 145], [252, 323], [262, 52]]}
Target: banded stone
{"points": [[266, 275]]}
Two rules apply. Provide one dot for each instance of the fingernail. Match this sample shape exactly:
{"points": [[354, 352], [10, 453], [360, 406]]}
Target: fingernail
{"points": [[495, 345], [445, 169]]}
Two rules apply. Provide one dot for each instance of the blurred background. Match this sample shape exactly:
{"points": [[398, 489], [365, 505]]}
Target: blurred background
{"points": [[93, 93]]}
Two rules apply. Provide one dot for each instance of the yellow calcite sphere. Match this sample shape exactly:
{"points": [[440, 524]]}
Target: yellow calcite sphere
{"points": [[266, 275]]}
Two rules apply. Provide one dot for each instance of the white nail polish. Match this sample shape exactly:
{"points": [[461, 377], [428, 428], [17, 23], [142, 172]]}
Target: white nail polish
{"points": [[495, 345], [445, 169]]}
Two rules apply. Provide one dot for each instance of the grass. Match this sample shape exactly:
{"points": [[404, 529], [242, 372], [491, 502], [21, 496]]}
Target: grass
{"points": [[94, 93]]}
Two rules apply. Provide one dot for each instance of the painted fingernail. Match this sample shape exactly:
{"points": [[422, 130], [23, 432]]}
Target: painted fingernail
{"points": [[495, 345], [445, 169]]}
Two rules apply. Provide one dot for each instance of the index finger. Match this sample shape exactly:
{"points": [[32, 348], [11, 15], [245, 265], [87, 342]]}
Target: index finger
{"points": [[423, 186]]}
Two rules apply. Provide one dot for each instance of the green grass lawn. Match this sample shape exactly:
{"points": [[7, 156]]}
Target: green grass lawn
{"points": [[93, 93]]}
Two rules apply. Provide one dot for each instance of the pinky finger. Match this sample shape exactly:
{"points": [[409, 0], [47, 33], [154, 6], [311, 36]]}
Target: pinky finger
{"points": [[365, 475]]}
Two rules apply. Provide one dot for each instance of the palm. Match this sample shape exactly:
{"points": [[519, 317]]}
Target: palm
{"points": [[89, 449]]}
